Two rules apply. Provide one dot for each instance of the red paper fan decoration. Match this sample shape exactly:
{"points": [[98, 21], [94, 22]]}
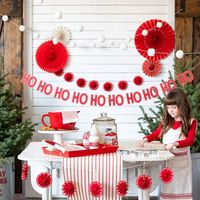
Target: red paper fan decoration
{"points": [[59, 73], [81, 82], [123, 85], [144, 182], [51, 57], [44, 180], [151, 68], [161, 39], [122, 188], [24, 173], [93, 85], [138, 80], [69, 77], [95, 189], [108, 86], [166, 175], [68, 188]]}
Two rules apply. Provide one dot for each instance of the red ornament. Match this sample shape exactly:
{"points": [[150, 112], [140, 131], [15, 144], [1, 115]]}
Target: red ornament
{"points": [[166, 175], [123, 85], [93, 85], [138, 80], [151, 68], [122, 188], [51, 57], [144, 182], [108, 86], [159, 38], [81, 82], [68, 188], [24, 173], [59, 73], [44, 180], [69, 77], [95, 189]]}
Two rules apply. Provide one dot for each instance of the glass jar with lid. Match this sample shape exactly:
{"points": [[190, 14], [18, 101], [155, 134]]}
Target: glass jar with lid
{"points": [[104, 125]]}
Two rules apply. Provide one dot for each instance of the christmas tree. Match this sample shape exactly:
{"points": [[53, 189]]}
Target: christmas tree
{"points": [[193, 93], [14, 133]]}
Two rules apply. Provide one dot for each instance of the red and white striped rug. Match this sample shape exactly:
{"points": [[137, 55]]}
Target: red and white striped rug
{"points": [[104, 168]]}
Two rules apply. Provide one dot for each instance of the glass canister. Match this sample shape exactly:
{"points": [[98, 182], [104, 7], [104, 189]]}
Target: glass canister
{"points": [[104, 124]]}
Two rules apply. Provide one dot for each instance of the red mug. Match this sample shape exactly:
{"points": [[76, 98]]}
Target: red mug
{"points": [[56, 121]]}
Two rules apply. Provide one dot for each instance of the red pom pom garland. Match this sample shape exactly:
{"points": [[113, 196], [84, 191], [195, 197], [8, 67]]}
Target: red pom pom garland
{"points": [[138, 80], [166, 175], [81, 82], [144, 182], [69, 77], [151, 68], [96, 189], [123, 85], [68, 188], [44, 180], [108, 86], [24, 173], [122, 188], [59, 73], [93, 85]]}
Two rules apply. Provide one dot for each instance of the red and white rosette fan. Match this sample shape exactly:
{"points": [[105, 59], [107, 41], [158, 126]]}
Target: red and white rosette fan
{"points": [[144, 182], [44, 180], [122, 188], [151, 67], [51, 57], [155, 34], [68, 188], [96, 189], [24, 173], [166, 175]]}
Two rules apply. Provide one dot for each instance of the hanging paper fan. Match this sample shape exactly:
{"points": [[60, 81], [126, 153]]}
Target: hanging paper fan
{"points": [[51, 57], [68, 188], [160, 38], [24, 173], [95, 189], [62, 34], [151, 67], [166, 175], [93, 85], [122, 188], [144, 182], [108, 86], [138, 80], [123, 85], [44, 180]]}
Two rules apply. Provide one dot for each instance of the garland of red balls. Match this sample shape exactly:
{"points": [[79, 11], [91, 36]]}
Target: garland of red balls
{"points": [[24, 173]]}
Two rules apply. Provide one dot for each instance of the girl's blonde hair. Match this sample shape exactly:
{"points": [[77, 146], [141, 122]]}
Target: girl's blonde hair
{"points": [[176, 97]]}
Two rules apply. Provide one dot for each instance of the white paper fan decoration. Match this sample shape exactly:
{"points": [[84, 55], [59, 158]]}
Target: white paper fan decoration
{"points": [[63, 34]]}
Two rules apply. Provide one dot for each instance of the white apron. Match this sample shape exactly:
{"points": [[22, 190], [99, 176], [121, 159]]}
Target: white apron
{"points": [[181, 186]]}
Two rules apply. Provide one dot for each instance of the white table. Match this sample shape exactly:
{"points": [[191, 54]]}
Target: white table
{"points": [[33, 154]]}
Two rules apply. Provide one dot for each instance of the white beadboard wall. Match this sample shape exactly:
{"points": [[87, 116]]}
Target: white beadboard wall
{"points": [[116, 20]]}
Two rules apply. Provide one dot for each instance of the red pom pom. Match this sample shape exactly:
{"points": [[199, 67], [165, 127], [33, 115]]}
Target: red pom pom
{"points": [[108, 86], [151, 68], [166, 175], [51, 57], [24, 173], [144, 182], [44, 180], [122, 188], [69, 77], [81, 82], [138, 80], [59, 73], [123, 85], [68, 188], [95, 189], [93, 85]]}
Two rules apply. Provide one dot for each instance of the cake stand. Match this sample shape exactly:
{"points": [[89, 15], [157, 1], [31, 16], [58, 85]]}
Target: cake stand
{"points": [[58, 135]]}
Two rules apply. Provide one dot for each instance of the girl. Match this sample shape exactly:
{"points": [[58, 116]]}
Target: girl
{"points": [[177, 131]]}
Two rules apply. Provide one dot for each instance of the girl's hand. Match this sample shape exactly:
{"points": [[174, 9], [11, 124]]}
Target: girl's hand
{"points": [[144, 140], [169, 147]]}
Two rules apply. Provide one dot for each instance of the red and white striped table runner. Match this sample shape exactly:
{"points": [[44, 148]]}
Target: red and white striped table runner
{"points": [[104, 168]]}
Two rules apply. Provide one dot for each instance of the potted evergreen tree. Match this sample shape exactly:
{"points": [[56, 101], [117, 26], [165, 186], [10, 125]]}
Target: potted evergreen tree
{"points": [[193, 93], [14, 134]]}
